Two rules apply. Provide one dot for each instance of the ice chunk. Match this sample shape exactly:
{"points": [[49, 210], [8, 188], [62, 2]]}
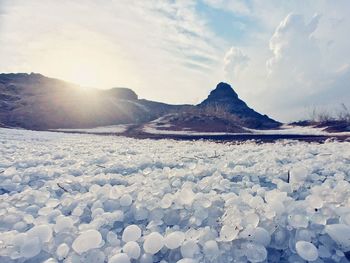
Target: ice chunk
{"points": [[112, 238], [211, 249], [280, 238], [146, 258], [260, 236], [187, 260], [30, 247], [298, 175], [228, 233], [131, 233], [186, 196], [340, 233], [132, 249], [255, 252], [345, 218], [298, 220], [251, 219], [62, 251], [43, 232], [119, 258], [303, 234], [153, 243], [315, 201], [189, 249], [166, 201], [174, 239], [93, 256], [126, 200], [87, 240], [140, 213], [306, 250], [50, 260], [63, 223]]}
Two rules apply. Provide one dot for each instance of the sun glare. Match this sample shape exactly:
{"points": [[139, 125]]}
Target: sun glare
{"points": [[86, 67]]}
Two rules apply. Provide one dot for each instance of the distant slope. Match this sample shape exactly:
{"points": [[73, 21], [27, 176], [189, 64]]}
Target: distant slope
{"points": [[33, 101], [37, 102]]}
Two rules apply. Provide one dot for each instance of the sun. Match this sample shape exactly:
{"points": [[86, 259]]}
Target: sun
{"points": [[85, 74], [85, 66]]}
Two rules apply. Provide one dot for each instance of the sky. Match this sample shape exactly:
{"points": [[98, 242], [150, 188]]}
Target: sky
{"points": [[283, 57]]}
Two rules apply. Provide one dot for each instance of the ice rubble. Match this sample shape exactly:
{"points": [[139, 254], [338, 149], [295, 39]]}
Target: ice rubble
{"points": [[84, 198]]}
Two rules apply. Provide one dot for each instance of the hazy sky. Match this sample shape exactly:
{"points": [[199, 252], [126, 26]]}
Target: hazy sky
{"points": [[282, 57]]}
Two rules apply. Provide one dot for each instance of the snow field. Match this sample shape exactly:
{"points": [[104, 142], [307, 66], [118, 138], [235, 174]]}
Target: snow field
{"points": [[85, 198]]}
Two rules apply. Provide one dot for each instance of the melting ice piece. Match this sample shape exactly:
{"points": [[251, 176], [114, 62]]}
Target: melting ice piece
{"points": [[340, 233], [153, 243], [228, 233], [211, 249], [132, 249], [174, 239], [251, 219], [87, 240], [298, 175], [62, 251], [315, 201], [306, 250], [189, 249], [146, 258], [126, 200], [186, 196], [119, 258], [63, 223], [255, 252], [187, 260], [30, 247], [260, 236], [298, 220], [93, 256], [166, 201], [131, 233], [43, 232]]}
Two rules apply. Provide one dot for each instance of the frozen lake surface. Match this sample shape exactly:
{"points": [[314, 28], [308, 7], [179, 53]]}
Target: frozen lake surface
{"points": [[89, 198]]}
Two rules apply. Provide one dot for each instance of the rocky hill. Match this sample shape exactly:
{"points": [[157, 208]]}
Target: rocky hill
{"points": [[225, 100], [34, 101]]}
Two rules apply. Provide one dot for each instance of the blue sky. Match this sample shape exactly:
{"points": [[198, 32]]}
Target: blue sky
{"points": [[227, 25], [283, 57]]}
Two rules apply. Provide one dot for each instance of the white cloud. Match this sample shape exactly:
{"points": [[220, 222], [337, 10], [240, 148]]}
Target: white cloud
{"points": [[303, 64], [296, 55], [299, 72], [146, 45], [234, 63]]}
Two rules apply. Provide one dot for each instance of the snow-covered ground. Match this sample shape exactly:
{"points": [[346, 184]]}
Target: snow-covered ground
{"points": [[284, 130], [298, 130], [103, 129], [88, 198]]}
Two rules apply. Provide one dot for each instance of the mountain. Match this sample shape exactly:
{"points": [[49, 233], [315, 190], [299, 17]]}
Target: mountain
{"points": [[33, 101], [223, 98]]}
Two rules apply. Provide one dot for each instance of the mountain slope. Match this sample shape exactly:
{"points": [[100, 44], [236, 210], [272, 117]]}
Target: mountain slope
{"points": [[37, 102], [34, 101]]}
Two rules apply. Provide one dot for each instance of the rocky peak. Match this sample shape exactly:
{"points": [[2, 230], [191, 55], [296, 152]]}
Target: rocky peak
{"points": [[225, 98], [223, 91], [222, 94]]}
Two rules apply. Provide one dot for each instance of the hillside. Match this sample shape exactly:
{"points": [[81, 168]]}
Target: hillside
{"points": [[33, 101]]}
